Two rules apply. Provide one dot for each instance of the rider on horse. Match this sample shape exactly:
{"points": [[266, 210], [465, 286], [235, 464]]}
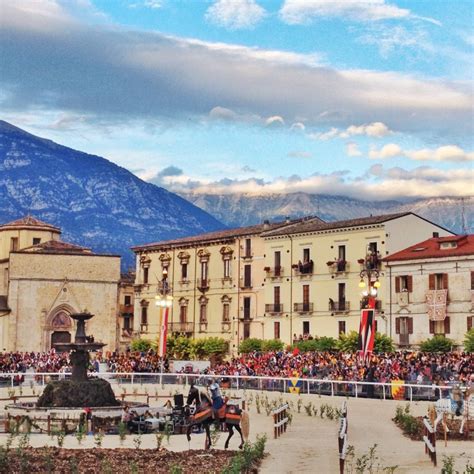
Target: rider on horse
{"points": [[216, 397]]}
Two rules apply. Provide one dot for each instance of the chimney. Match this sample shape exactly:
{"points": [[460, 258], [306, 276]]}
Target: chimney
{"points": [[266, 224], [435, 235]]}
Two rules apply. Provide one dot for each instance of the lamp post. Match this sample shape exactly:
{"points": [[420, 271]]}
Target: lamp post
{"points": [[369, 289], [164, 301]]}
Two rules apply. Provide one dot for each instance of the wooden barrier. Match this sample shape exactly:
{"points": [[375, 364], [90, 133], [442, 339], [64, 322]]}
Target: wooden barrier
{"points": [[280, 420], [342, 437], [430, 438]]}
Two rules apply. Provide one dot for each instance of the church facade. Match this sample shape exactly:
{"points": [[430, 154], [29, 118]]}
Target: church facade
{"points": [[43, 280]]}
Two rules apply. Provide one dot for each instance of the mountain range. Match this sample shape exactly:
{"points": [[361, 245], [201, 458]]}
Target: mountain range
{"points": [[234, 210], [95, 202], [103, 206]]}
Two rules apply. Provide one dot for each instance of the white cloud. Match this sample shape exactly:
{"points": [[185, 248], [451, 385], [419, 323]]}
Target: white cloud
{"points": [[275, 120], [377, 184], [253, 52], [352, 149], [154, 4], [298, 126], [451, 153], [149, 75], [374, 129], [302, 11], [391, 39], [235, 14], [299, 154], [387, 151]]}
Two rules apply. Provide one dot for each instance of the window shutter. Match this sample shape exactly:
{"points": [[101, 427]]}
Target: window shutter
{"points": [[469, 323], [376, 325], [397, 284], [472, 280], [410, 284], [432, 281], [410, 325], [445, 281], [397, 325], [447, 328], [432, 327]]}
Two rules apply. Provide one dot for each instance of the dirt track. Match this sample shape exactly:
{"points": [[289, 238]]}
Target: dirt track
{"points": [[310, 444]]}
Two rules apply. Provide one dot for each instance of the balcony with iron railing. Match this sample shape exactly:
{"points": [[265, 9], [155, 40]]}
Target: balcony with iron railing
{"points": [[246, 283], [303, 307], [303, 269], [186, 327], [274, 272], [202, 284], [338, 267], [339, 306], [126, 309], [274, 308], [164, 286]]}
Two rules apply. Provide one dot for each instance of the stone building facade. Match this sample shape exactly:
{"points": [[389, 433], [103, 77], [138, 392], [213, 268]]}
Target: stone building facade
{"points": [[271, 280], [432, 290], [43, 280]]}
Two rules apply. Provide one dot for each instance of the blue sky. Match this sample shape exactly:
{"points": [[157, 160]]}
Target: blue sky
{"points": [[369, 98]]}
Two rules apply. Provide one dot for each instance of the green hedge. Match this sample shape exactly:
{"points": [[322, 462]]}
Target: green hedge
{"points": [[185, 348]]}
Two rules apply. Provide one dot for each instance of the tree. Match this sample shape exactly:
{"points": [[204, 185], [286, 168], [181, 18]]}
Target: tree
{"points": [[249, 345], [272, 345], [141, 345], [437, 343], [383, 343], [348, 342], [326, 343], [469, 341]]}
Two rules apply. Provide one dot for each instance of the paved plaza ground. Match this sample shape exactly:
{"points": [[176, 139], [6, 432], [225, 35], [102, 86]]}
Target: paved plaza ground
{"points": [[310, 444]]}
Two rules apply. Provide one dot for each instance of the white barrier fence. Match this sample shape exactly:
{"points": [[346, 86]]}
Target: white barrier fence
{"points": [[278, 384]]}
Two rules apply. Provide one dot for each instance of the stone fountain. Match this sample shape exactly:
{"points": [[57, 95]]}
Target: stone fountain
{"points": [[79, 390]]}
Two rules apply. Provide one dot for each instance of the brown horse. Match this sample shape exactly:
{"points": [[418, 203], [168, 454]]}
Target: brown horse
{"points": [[206, 416]]}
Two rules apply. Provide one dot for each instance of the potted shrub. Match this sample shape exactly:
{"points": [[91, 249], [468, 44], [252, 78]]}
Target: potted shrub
{"points": [[361, 261], [330, 263], [267, 269]]}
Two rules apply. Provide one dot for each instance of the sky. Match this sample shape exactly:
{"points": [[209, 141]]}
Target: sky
{"points": [[369, 99]]}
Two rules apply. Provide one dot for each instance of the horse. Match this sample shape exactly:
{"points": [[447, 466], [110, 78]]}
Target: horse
{"points": [[206, 416], [450, 406]]}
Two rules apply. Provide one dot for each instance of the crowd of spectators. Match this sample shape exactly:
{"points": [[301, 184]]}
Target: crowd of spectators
{"points": [[413, 367]]}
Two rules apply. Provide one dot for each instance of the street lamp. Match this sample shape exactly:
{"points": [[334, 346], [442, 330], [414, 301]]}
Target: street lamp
{"points": [[164, 301], [369, 289]]}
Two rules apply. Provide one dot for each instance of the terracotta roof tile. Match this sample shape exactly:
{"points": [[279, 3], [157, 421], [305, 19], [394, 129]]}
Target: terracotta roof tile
{"points": [[217, 235], [315, 225], [431, 248], [29, 222], [56, 246]]}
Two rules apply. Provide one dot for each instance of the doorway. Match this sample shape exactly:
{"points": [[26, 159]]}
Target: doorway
{"points": [[60, 337]]}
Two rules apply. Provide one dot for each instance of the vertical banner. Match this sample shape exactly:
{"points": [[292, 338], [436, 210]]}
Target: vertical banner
{"points": [[366, 332], [163, 332]]}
